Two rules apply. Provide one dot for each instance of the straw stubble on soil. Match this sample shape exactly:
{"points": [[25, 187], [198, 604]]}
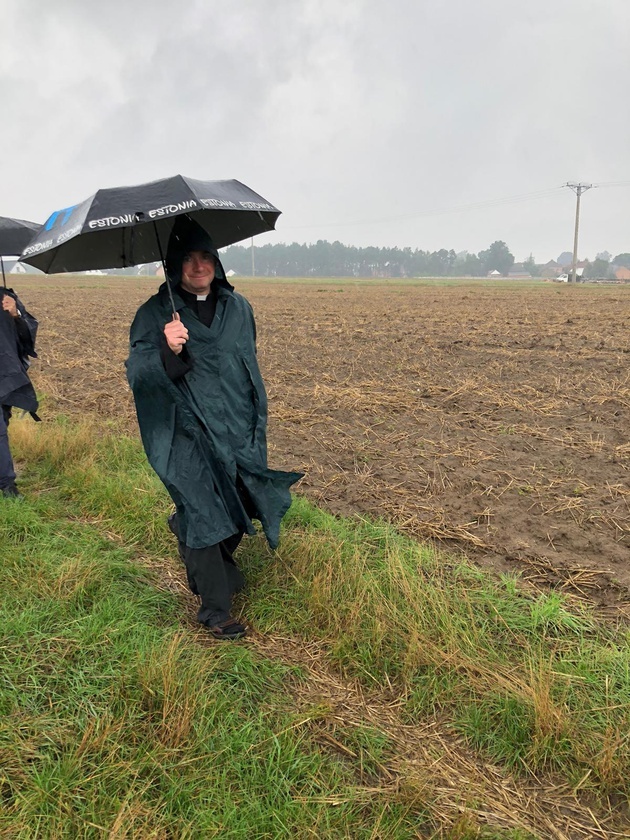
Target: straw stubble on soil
{"points": [[492, 419]]}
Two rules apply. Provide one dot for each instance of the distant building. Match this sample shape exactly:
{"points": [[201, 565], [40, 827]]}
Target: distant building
{"points": [[567, 267], [550, 270], [622, 273], [518, 270], [494, 273], [148, 269], [20, 268]]}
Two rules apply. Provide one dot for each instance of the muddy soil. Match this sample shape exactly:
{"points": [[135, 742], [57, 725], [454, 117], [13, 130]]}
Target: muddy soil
{"points": [[492, 419]]}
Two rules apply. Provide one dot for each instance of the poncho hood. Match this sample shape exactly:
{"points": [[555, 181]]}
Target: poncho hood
{"points": [[185, 237]]}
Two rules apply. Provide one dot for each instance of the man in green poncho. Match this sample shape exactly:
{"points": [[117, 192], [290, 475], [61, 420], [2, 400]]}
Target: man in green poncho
{"points": [[202, 411]]}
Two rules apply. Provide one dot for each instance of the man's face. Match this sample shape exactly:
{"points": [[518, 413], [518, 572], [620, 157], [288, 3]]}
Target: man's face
{"points": [[197, 272]]}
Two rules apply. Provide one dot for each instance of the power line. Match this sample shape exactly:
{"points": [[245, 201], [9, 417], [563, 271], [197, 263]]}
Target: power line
{"points": [[613, 184], [482, 205]]}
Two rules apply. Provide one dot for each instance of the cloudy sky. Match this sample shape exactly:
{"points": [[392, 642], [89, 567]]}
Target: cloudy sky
{"points": [[421, 123]]}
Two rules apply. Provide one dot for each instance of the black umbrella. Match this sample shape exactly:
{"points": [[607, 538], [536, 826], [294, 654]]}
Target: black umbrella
{"points": [[125, 226], [15, 234]]}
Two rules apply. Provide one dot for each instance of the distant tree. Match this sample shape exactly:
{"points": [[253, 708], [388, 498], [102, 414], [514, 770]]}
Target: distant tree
{"points": [[419, 263], [622, 259], [466, 265], [565, 258], [530, 266], [471, 265], [597, 270], [441, 262], [496, 258], [604, 255]]}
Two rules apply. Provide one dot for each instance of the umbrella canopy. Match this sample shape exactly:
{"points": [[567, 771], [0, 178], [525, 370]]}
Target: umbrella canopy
{"points": [[125, 226], [15, 234]]}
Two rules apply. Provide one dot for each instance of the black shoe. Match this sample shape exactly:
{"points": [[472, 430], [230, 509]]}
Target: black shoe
{"points": [[11, 492], [229, 629]]}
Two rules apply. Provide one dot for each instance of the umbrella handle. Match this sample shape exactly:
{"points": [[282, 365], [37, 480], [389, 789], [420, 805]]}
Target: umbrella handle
{"points": [[166, 277], [4, 279]]}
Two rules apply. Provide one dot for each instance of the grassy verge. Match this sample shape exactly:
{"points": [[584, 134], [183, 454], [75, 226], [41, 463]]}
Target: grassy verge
{"points": [[113, 720], [528, 680], [112, 717]]}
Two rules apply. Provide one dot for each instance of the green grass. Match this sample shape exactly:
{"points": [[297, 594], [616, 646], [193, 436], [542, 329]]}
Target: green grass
{"points": [[116, 719], [532, 682]]}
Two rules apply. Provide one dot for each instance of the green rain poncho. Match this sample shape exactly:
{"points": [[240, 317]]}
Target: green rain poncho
{"points": [[205, 433]]}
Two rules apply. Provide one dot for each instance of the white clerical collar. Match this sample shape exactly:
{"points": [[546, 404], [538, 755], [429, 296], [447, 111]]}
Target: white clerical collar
{"points": [[202, 297]]}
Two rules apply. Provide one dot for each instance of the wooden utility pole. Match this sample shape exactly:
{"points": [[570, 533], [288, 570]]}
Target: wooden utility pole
{"points": [[578, 189]]}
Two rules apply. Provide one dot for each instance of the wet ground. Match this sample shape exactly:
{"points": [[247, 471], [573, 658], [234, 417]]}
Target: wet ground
{"points": [[493, 419]]}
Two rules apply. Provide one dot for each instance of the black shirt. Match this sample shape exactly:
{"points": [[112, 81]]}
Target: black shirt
{"points": [[203, 309]]}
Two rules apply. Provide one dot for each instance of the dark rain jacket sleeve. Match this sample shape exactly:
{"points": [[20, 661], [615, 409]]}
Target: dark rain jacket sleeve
{"points": [[175, 365], [26, 327], [17, 343]]}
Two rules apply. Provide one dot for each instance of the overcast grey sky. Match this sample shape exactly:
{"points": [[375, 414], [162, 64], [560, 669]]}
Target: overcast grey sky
{"points": [[371, 122]]}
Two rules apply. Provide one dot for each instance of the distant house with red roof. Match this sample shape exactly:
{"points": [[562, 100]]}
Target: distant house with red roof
{"points": [[550, 270]]}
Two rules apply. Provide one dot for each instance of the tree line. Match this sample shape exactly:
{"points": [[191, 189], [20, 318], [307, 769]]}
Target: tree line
{"points": [[333, 259]]}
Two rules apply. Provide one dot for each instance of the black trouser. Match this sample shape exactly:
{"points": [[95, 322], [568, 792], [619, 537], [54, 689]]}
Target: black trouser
{"points": [[7, 471], [212, 574], [215, 577]]}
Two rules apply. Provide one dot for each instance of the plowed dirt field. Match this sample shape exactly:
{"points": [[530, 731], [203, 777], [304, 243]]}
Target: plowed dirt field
{"points": [[493, 419]]}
